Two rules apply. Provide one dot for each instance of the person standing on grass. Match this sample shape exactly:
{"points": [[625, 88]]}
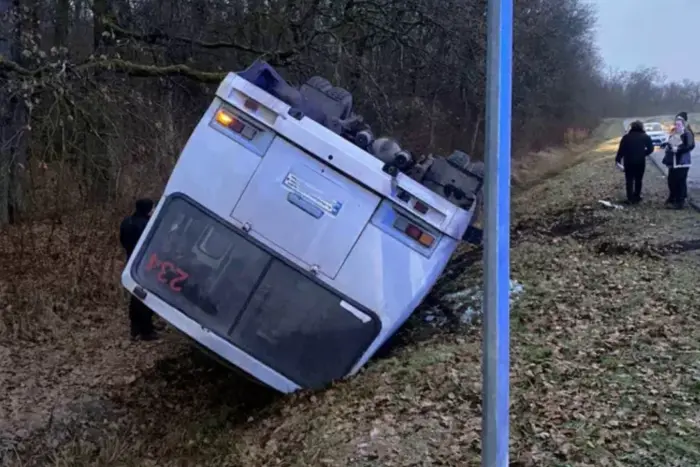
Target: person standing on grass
{"points": [[632, 154], [677, 159], [130, 230]]}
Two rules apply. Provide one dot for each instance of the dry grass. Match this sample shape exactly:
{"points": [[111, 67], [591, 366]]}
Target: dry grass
{"points": [[545, 164], [605, 355]]}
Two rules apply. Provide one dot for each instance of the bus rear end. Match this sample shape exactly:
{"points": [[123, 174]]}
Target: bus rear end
{"points": [[268, 255]]}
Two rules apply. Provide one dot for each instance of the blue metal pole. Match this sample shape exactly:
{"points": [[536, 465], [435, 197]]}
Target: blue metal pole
{"points": [[496, 364]]}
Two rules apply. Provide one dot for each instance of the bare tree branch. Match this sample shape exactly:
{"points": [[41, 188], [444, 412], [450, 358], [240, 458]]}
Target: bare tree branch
{"points": [[275, 58], [120, 66]]}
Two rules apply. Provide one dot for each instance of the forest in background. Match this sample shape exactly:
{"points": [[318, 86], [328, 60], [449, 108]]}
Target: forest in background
{"points": [[97, 97]]}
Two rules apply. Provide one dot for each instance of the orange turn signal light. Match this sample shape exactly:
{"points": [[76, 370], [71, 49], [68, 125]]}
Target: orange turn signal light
{"points": [[226, 119]]}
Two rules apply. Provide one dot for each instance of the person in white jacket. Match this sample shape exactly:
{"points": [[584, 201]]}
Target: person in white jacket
{"points": [[678, 159]]}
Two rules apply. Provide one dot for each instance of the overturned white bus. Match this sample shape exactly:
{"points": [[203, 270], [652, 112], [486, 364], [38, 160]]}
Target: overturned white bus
{"points": [[288, 240]]}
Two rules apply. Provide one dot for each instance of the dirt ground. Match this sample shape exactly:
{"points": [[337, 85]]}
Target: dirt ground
{"points": [[605, 356]]}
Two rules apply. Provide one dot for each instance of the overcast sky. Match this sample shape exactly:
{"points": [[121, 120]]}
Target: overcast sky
{"points": [[634, 33]]}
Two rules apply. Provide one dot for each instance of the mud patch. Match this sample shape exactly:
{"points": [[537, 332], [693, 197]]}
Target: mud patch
{"points": [[613, 248], [580, 223], [646, 250], [683, 246]]}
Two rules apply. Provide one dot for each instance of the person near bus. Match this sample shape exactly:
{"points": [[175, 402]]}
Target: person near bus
{"points": [[677, 159], [130, 231], [634, 148]]}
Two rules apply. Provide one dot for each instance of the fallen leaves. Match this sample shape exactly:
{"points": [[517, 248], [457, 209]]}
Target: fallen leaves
{"points": [[605, 362]]}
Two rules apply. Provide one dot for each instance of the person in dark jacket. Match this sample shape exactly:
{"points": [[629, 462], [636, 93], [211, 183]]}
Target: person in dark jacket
{"points": [[130, 230], [678, 160], [632, 153]]}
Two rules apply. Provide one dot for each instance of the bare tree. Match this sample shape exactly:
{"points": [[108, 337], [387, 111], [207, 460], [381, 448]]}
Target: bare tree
{"points": [[19, 42], [111, 88]]}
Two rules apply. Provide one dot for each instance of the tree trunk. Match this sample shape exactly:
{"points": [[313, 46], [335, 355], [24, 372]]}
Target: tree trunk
{"points": [[99, 13], [14, 115], [62, 22], [100, 167], [6, 127]]}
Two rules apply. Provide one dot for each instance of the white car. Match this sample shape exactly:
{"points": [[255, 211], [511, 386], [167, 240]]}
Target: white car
{"points": [[657, 133]]}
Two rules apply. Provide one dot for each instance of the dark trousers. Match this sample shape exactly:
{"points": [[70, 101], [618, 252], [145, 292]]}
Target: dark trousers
{"points": [[634, 174], [677, 185], [141, 317]]}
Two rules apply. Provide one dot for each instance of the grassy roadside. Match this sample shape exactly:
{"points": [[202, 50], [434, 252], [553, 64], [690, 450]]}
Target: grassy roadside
{"points": [[605, 364], [543, 165]]}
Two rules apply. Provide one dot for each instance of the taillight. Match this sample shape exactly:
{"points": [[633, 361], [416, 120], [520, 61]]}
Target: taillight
{"points": [[420, 207], [414, 231], [250, 104], [229, 120]]}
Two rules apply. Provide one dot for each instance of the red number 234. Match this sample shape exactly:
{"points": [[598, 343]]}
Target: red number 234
{"points": [[168, 273]]}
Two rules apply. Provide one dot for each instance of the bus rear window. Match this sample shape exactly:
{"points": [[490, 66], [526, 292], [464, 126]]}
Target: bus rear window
{"points": [[250, 297]]}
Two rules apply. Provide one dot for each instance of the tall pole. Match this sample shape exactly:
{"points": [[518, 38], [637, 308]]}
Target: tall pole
{"points": [[496, 364]]}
